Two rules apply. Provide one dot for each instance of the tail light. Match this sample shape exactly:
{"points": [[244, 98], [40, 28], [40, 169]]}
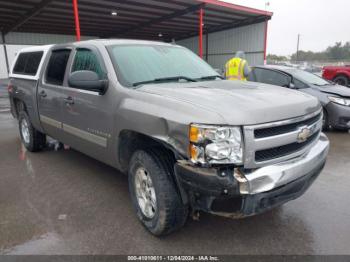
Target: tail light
{"points": [[10, 88]]}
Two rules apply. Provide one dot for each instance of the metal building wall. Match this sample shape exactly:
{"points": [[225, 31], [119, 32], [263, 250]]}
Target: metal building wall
{"points": [[3, 70], [223, 45], [16, 41]]}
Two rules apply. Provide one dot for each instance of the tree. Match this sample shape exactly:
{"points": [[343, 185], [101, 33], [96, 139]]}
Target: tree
{"points": [[272, 57], [336, 52]]}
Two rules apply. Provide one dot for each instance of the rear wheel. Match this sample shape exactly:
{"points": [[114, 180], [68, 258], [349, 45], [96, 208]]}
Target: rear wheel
{"points": [[158, 204], [32, 139], [341, 80]]}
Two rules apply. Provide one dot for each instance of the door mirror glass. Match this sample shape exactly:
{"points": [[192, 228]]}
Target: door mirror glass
{"points": [[87, 80], [292, 86]]}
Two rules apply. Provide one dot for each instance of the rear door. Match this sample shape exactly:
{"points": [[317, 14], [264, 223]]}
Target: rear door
{"points": [[88, 115], [50, 92]]}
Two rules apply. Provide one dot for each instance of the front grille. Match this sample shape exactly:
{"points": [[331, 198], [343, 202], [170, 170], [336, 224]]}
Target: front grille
{"points": [[279, 141], [281, 151], [277, 130]]}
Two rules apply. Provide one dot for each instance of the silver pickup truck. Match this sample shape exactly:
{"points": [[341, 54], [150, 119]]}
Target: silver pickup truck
{"points": [[188, 140]]}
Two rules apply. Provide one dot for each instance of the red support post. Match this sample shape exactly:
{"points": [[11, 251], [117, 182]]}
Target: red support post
{"points": [[265, 44], [200, 33], [76, 18]]}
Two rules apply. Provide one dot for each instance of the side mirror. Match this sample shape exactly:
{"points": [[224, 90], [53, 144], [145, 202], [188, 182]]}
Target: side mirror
{"points": [[88, 80], [292, 86]]}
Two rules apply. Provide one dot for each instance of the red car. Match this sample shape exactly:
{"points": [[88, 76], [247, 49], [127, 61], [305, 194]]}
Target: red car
{"points": [[337, 74]]}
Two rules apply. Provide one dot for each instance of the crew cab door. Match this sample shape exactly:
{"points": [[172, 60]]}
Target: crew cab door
{"points": [[50, 92], [88, 115]]}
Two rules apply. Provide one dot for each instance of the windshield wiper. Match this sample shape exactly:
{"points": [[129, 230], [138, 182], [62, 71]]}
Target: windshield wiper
{"points": [[211, 77], [165, 79]]}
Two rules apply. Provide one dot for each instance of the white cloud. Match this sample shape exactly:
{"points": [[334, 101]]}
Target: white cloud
{"points": [[321, 23]]}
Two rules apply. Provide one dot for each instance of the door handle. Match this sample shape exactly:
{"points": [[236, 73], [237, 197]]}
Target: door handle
{"points": [[43, 94], [69, 100]]}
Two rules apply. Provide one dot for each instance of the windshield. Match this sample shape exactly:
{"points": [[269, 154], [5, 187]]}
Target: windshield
{"points": [[307, 77], [143, 64]]}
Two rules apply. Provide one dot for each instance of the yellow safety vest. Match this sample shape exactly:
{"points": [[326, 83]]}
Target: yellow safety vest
{"points": [[234, 69]]}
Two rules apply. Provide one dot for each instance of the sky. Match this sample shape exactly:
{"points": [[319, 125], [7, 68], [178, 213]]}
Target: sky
{"points": [[320, 23]]}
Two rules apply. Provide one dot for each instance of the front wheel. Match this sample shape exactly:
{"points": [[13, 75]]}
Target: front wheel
{"points": [[341, 80], [325, 122], [158, 204], [32, 139]]}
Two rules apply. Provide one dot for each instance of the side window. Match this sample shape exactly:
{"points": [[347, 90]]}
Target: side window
{"points": [[272, 77], [299, 84], [85, 59], [20, 63], [33, 63], [57, 66], [28, 63]]}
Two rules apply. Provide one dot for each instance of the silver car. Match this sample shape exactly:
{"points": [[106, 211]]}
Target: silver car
{"points": [[335, 99]]}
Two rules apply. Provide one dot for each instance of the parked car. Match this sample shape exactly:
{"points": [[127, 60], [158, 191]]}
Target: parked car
{"points": [[337, 74], [335, 99], [188, 140]]}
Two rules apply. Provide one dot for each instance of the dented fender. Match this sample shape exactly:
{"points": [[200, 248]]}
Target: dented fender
{"points": [[160, 118]]}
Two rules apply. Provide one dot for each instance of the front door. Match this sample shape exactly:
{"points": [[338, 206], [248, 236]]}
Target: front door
{"points": [[88, 115], [50, 93]]}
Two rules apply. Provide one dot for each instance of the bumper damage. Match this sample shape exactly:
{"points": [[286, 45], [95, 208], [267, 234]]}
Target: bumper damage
{"points": [[338, 116], [236, 192]]}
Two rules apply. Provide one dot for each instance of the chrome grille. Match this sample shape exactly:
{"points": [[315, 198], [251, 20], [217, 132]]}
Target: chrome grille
{"points": [[278, 141], [277, 130]]}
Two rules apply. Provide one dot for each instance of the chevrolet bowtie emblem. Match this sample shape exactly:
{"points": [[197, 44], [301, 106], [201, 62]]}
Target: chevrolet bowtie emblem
{"points": [[304, 134]]}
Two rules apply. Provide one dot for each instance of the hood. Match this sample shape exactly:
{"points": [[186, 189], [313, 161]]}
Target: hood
{"points": [[239, 103], [337, 90]]}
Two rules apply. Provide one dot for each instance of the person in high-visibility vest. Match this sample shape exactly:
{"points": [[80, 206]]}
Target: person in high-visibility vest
{"points": [[237, 68]]}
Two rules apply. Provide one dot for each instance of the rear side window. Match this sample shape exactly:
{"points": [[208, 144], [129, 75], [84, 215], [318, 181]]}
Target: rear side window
{"points": [[271, 77], [85, 59], [57, 66], [28, 63], [299, 84]]}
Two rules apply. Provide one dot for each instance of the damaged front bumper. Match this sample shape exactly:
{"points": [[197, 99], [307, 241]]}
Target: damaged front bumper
{"points": [[237, 192]]}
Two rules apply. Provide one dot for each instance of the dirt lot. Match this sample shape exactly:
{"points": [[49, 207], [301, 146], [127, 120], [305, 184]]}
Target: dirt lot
{"points": [[63, 202]]}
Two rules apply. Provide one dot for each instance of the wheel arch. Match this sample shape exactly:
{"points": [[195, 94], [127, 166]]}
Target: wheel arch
{"points": [[345, 74], [19, 105], [131, 141]]}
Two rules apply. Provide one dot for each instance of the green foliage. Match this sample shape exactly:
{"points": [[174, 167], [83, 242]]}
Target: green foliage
{"points": [[336, 52], [271, 57], [339, 51]]}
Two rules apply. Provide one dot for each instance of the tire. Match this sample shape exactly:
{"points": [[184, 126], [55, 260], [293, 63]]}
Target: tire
{"points": [[168, 213], [341, 80], [32, 139], [325, 122]]}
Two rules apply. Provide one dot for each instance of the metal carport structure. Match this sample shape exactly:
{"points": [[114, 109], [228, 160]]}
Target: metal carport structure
{"points": [[165, 20]]}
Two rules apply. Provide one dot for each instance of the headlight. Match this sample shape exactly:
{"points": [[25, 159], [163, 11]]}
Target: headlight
{"points": [[216, 144], [339, 100]]}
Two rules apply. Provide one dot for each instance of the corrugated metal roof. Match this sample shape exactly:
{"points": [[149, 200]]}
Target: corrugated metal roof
{"points": [[141, 19]]}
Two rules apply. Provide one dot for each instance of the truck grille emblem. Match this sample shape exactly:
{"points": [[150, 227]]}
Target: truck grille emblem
{"points": [[303, 134]]}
